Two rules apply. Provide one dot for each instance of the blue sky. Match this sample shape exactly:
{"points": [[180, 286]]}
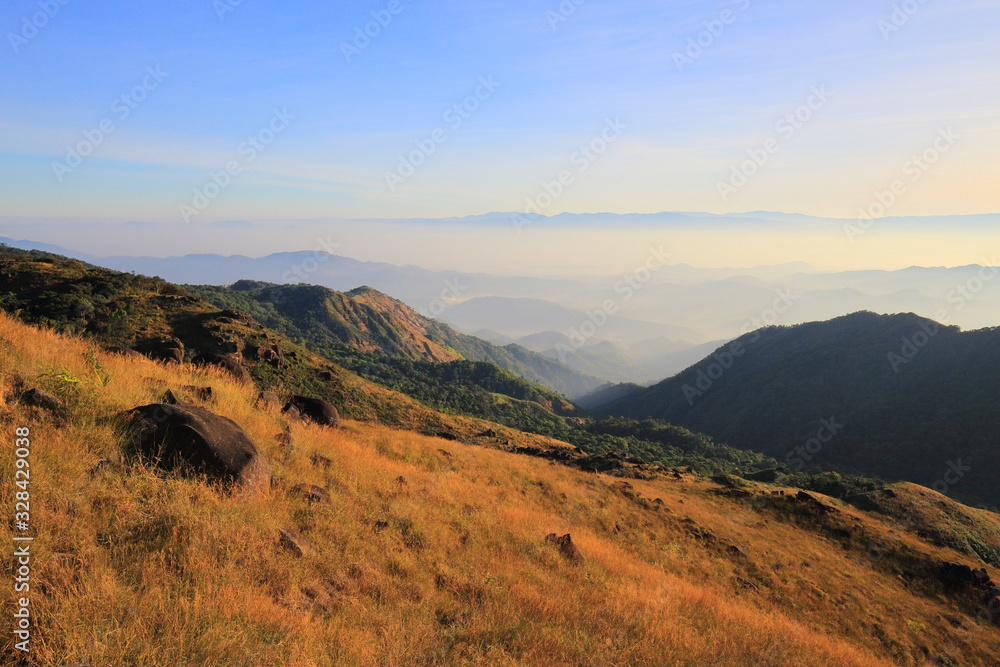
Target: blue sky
{"points": [[557, 85]]}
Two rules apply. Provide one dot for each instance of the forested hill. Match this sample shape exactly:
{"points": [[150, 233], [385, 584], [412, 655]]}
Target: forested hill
{"points": [[904, 397], [366, 320]]}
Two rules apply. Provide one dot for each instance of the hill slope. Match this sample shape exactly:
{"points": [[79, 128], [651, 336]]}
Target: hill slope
{"points": [[166, 322], [906, 397], [366, 320], [434, 552]]}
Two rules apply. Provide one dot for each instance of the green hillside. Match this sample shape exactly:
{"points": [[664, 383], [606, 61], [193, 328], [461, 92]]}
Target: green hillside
{"points": [[896, 396], [366, 320]]}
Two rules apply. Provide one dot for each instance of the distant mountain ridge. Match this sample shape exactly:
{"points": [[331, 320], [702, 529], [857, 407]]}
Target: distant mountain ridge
{"points": [[680, 304]]}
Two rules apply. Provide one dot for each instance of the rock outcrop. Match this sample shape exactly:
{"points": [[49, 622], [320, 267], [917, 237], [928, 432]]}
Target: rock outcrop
{"points": [[228, 363], [196, 441], [315, 410]]}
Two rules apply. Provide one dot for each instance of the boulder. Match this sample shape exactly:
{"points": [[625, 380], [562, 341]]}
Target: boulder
{"points": [[269, 400], [314, 409], [203, 393], [197, 441], [229, 346], [235, 368], [174, 355], [271, 354], [565, 546], [170, 350], [956, 574], [291, 413], [312, 493], [233, 316], [294, 542], [41, 399], [187, 391], [321, 461]]}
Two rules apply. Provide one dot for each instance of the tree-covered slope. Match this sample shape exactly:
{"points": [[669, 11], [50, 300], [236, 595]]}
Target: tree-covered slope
{"points": [[366, 320], [896, 396]]}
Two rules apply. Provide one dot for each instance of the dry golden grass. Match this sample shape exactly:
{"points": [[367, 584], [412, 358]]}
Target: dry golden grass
{"points": [[450, 567]]}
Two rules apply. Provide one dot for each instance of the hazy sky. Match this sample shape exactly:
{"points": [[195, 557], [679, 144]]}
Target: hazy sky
{"points": [[159, 95]]}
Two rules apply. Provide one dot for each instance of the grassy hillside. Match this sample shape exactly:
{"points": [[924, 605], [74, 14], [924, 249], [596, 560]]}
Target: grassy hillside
{"points": [[907, 404], [366, 320], [328, 322], [433, 552], [166, 321]]}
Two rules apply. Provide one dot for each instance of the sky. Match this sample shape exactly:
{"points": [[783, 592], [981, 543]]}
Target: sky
{"points": [[200, 111]]}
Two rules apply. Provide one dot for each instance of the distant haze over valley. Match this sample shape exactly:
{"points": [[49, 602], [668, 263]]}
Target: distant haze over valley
{"points": [[554, 246], [639, 313]]}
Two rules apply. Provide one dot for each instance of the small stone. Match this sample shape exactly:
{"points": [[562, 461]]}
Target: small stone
{"points": [[294, 542], [42, 399], [321, 461], [312, 493]]}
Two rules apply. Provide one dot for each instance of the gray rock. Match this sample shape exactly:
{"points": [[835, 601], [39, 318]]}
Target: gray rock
{"points": [[42, 399], [565, 545], [315, 410], [235, 368], [197, 441], [269, 400], [312, 493], [295, 542]]}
